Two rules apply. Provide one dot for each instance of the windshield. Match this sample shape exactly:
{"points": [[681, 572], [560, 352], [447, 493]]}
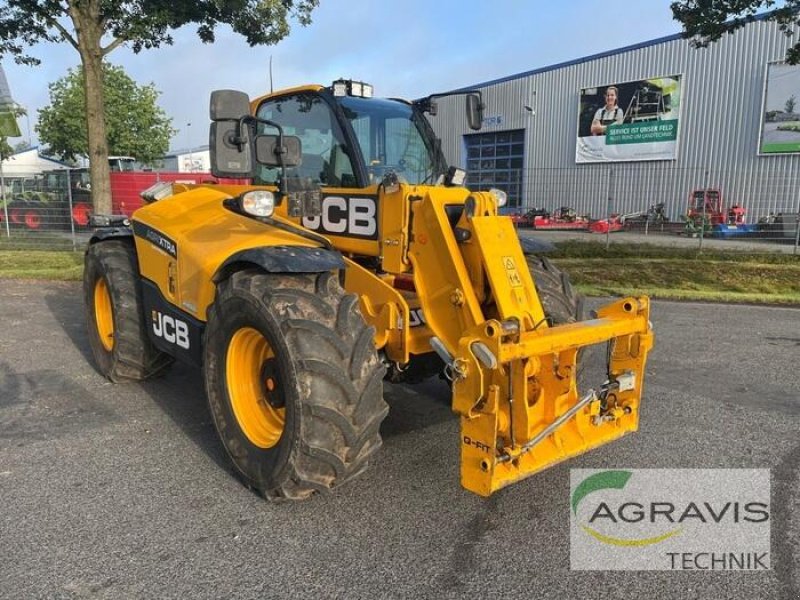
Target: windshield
{"points": [[393, 137]]}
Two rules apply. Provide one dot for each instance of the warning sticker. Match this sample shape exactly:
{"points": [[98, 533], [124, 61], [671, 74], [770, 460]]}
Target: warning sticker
{"points": [[511, 272]]}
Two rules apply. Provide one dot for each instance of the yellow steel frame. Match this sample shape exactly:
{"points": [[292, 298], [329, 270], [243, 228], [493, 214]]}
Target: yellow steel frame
{"points": [[530, 378]]}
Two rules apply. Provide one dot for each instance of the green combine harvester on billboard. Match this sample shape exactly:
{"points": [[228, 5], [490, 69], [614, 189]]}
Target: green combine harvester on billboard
{"points": [[780, 125]]}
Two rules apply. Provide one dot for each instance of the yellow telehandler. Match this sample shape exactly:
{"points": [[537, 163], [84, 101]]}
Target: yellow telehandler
{"points": [[353, 255]]}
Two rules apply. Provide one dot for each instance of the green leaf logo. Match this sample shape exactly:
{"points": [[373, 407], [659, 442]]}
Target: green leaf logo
{"points": [[599, 481], [611, 480]]}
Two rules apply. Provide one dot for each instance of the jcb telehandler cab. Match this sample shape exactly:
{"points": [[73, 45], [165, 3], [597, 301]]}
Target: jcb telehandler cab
{"points": [[355, 255]]}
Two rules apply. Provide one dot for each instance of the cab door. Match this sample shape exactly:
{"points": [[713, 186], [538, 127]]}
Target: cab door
{"points": [[349, 213]]}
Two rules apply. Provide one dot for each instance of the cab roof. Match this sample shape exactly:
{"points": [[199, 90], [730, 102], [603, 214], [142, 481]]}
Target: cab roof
{"points": [[314, 87]]}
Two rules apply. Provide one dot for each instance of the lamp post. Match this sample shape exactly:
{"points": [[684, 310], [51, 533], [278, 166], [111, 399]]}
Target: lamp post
{"points": [[3, 197], [189, 147]]}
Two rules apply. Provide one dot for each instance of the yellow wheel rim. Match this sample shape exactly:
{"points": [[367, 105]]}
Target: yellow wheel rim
{"points": [[250, 389], [104, 314]]}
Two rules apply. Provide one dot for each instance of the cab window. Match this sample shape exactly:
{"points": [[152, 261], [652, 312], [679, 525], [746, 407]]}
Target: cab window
{"points": [[307, 116]]}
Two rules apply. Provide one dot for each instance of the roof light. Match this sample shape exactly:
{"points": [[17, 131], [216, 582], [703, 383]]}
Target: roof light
{"points": [[339, 87], [348, 87], [259, 203], [500, 196], [455, 177]]}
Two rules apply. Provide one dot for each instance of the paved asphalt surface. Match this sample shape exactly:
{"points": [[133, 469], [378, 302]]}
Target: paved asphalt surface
{"points": [[124, 491]]}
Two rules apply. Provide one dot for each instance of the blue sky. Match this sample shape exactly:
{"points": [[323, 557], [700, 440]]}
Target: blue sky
{"points": [[405, 48]]}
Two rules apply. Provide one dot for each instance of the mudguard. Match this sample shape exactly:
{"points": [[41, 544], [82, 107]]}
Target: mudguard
{"points": [[281, 259], [110, 233]]}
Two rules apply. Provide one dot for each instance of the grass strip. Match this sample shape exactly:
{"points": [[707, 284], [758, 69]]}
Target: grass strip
{"points": [[713, 277], [630, 269], [56, 265]]}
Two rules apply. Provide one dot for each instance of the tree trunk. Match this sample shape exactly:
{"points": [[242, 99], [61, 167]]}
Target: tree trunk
{"points": [[85, 18]]}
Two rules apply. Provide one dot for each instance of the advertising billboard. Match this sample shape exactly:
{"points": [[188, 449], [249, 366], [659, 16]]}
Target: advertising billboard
{"points": [[780, 112], [629, 121]]}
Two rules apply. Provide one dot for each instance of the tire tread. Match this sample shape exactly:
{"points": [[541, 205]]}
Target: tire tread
{"points": [[336, 367]]}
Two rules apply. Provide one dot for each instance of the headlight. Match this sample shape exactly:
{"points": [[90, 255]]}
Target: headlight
{"points": [[109, 221], [157, 191], [367, 90], [258, 203], [355, 88], [500, 196]]}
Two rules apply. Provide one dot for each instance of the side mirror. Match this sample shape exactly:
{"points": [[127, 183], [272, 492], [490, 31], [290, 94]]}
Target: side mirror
{"points": [[270, 153], [229, 158], [230, 145], [474, 111], [228, 105]]}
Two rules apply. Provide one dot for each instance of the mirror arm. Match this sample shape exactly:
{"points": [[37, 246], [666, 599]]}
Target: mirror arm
{"points": [[421, 103], [281, 150]]}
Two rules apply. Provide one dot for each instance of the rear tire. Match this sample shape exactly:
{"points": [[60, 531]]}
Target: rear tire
{"points": [[307, 417], [16, 213], [34, 216], [559, 300], [562, 305], [115, 315]]}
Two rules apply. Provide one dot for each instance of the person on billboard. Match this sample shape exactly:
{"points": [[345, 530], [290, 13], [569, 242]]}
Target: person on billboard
{"points": [[609, 114]]}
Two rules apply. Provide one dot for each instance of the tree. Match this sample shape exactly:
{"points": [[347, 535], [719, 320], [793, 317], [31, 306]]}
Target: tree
{"points": [[706, 21], [9, 127], [791, 102], [135, 125], [95, 28]]}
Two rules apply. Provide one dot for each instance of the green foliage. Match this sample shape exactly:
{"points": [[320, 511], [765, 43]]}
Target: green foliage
{"points": [[791, 102], [135, 124], [706, 21], [87, 25], [142, 25], [11, 113]]}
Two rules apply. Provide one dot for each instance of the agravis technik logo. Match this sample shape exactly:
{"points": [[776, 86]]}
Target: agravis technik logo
{"points": [[671, 519]]}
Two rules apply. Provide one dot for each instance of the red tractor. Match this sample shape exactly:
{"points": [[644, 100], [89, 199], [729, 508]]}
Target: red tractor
{"points": [[706, 212]]}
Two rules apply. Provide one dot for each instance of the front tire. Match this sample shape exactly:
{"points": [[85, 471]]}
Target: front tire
{"points": [[115, 315], [293, 381]]}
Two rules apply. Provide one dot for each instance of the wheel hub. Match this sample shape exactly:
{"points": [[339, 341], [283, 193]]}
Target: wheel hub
{"points": [[254, 389], [104, 314], [272, 390]]}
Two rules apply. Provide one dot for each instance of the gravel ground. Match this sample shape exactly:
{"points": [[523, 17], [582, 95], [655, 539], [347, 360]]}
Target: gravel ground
{"points": [[125, 492]]}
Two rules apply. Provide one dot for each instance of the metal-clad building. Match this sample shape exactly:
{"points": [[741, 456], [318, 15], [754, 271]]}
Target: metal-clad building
{"points": [[528, 141]]}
